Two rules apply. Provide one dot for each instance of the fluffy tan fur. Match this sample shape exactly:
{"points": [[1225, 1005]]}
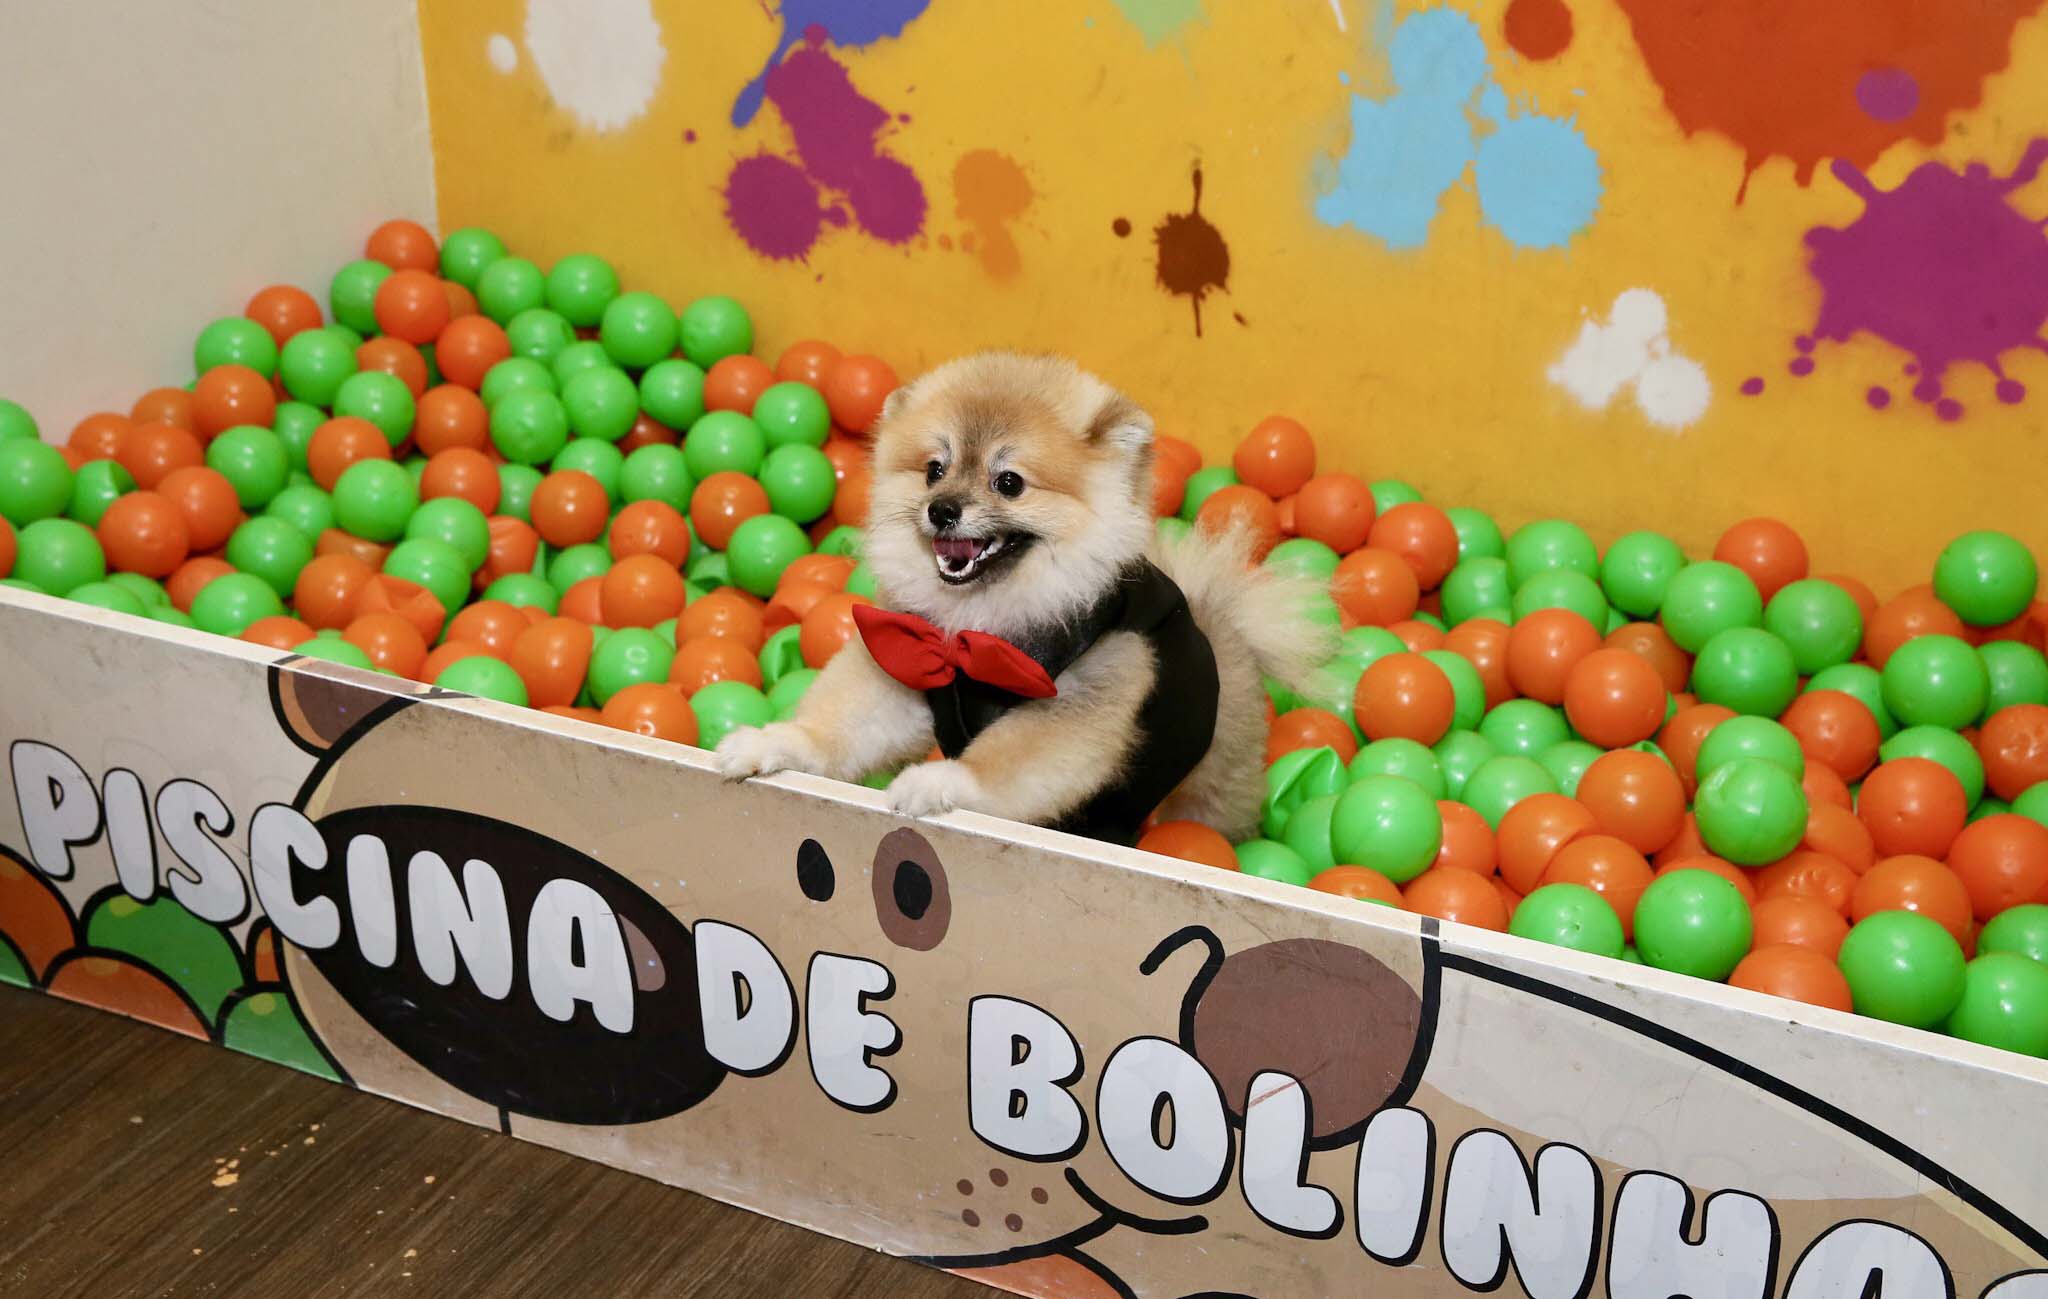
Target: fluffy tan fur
{"points": [[1083, 453]]}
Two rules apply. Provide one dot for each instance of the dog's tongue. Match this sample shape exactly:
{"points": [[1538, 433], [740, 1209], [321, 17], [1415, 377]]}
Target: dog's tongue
{"points": [[958, 549]]}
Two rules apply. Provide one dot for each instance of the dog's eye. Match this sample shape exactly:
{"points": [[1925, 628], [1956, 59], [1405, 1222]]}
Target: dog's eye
{"points": [[933, 472], [1010, 483]]}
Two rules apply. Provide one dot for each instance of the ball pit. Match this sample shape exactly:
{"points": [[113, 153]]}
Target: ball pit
{"points": [[538, 486]]}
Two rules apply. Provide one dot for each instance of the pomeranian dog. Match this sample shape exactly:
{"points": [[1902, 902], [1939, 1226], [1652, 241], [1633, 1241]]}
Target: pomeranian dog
{"points": [[1075, 670]]}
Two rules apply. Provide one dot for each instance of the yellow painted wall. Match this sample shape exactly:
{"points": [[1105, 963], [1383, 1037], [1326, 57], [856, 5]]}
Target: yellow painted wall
{"points": [[556, 125]]}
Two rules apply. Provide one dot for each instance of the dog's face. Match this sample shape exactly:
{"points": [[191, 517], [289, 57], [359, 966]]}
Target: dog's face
{"points": [[1007, 491]]}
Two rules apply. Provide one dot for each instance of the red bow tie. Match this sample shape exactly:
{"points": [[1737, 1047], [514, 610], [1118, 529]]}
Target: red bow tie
{"points": [[925, 658]]}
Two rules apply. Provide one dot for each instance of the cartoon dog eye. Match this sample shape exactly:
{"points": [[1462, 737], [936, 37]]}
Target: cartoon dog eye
{"points": [[912, 900]]}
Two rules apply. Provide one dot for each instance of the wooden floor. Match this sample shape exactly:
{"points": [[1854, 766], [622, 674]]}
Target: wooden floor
{"points": [[135, 1162]]}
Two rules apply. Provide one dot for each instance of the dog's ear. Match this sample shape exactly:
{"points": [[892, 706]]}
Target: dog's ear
{"points": [[895, 403], [1120, 425]]}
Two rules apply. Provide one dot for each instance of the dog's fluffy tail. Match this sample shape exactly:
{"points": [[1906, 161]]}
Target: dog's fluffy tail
{"points": [[1269, 612]]}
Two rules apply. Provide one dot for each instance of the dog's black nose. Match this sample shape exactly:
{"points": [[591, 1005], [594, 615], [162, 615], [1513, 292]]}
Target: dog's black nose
{"points": [[943, 513]]}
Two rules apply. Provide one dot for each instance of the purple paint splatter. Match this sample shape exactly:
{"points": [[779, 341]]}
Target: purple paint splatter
{"points": [[774, 206], [1753, 385], [1878, 398], [1888, 94], [848, 25], [1801, 366], [1943, 268]]}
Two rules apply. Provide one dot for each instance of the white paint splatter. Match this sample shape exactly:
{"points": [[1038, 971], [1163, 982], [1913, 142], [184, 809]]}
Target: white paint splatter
{"points": [[1337, 8], [601, 59], [503, 54], [1631, 350]]}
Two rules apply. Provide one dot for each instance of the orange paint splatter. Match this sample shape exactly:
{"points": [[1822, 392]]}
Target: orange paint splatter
{"points": [[1821, 78], [1538, 29], [989, 192]]}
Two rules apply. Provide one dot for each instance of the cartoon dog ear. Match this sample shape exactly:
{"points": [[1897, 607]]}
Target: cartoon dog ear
{"points": [[1120, 425], [318, 702]]}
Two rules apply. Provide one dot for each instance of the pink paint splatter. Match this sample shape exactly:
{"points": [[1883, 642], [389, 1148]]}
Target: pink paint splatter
{"points": [[780, 207], [1943, 268]]}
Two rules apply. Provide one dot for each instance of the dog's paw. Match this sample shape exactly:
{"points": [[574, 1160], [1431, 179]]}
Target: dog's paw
{"points": [[763, 751], [930, 788]]}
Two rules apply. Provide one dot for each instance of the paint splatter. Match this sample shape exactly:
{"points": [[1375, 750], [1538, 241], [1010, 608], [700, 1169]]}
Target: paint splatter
{"points": [[502, 53], [600, 59], [1193, 258], [779, 206], [1631, 349], [989, 192], [1538, 180], [1159, 21], [1788, 80], [1120, 228], [849, 26], [1538, 29], [1943, 268]]}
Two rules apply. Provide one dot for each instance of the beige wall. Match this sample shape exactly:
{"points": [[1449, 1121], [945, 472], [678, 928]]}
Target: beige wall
{"points": [[161, 161]]}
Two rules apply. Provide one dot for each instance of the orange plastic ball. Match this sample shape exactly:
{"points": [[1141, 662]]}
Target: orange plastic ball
{"points": [[514, 548], [724, 612], [1609, 867], [328, 589], [411, 305], [1910, 882], [341, 442], [1835, 729], [1531, 833], [283, 310], [855, 391], [491, 622], [1913, 612], [700, 662], [569, 507], [9, 547], [2014, 746], [1376, 588], [1652, 643], [389, 641], [1808, 875], [1799, 922], [808, 361], [468, 348], [1335, 509], [1734, 874], [171, 406], [150, 452], [850, 506], [191, 578], [1614, 698], [1634, 796], [98, 437], [1683, 735], [395, 357], [584, 601], [792, 600], [452, 651], [1483, 642], [650, 528], [1451, 893], [1405, 696], [228, 395], [735, 382], [552, 657], [461, 302], [1687, 843], [1309, 728], [464, 473], [640, 591], [1794, 973], [143, 532], [828, 627], [2002, 862], [207, 502], [277, 631], [1241, 509], [402, 245], [1912, 805], [722, 502], [1420, 534], [388, 593], [1766, 549], [1468, 843], [1169, 488], [1189, 841], [447, 417], [1857, 590], [1277, 457], [647, 432], [1359, 883], [830, 571], [1820, 784], [652, 708], [1836, 831], [846, 456], [1544, 647], [1178, 452], [333, 541]]}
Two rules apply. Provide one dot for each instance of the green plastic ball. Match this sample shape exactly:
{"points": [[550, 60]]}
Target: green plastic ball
{"points": [[2014, 673], [1818, 621], [638, 329], [485, 677], [1202, 484], [529, 427], [1478, 535], [466, 252], [1267, 860], [295, 425], [672, 392], [1694, 922], [574, 563], [792, 413], [724, 440], [95, 485], [1706, 598], [1569, 915], [145, 589], [253, 460], [714, 328], [580, 287], [515, 490], [601, 402], [435, 565], [2033, 803], [1942, 745], [272, 550], [1935, 681], [516, 374], [1389, 492], [383, 399], [16, 422], [333, 649], [525, 590], [235, 340], [1407, 759], [373, 499], [1303, 558], [539, 334], [457, 522], [593, 456], [1468, 691], [761, 548], [1307, 832], [2004, 1004], [2022, 930], [1503, 781], [1474, 586], [105, 595], [1458, 755], [173, 615], [1988, 578], [657, 473], [314, 363], [35, 481], [308, 509], [724, 707], [1637, 570], [229, 603], [1561, 588], [1566, 761], [584, 354], [787, 693], [1902, 967], [1750, 737], [780, 653], [1863, 683], [57, 556], [508, 286], [1524, 727], [842, 540], [1296, 777], [1548, 546], [1361, 647], [800, 482], [1389, 824], [1746, 669], [1751, 811], [352, 294]]}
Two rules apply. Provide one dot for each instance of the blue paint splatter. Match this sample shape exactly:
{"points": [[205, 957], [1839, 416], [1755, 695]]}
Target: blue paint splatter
{"points": [[849, 24], [1537, 179]]}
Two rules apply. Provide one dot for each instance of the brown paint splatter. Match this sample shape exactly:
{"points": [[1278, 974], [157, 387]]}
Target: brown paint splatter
{"points": [[1120, 228], [1193, 258], [1538, 29], [989, 192], [970, 1217]]}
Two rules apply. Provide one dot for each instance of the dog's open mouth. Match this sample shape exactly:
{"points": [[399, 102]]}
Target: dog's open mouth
{"points": [[963, 559]]}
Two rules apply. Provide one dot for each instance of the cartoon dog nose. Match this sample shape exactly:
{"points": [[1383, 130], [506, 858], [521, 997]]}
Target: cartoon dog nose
{"points": [[943, 513]]}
